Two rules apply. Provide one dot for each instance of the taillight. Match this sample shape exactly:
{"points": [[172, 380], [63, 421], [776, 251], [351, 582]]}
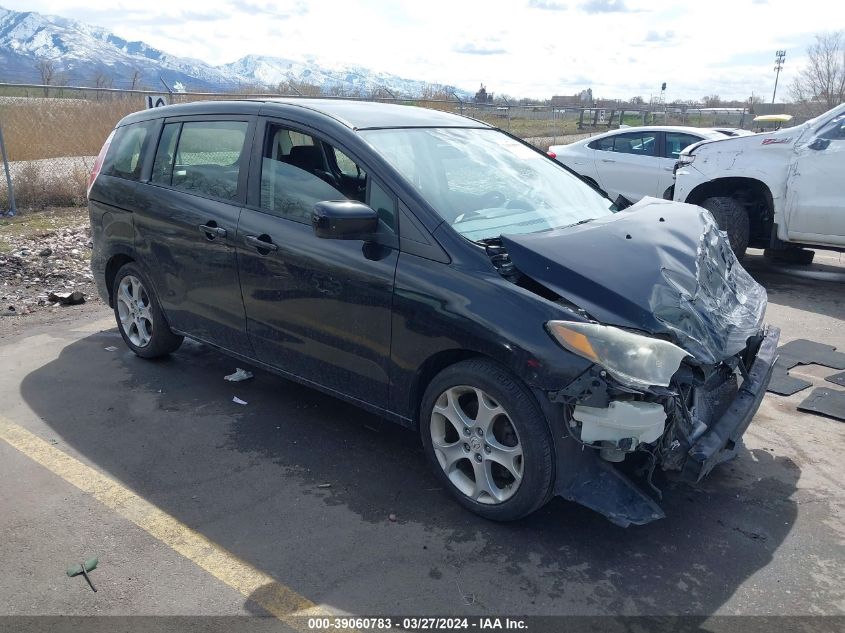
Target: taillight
{"points": [[551, 154], [98, 163]]}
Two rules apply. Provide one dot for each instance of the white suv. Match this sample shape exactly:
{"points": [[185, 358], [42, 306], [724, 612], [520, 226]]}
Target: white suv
{"points": [[772, 190]]}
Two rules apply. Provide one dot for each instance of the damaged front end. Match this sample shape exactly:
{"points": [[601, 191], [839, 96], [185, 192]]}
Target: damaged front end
{"points": [[686, 429], [681, 357]]}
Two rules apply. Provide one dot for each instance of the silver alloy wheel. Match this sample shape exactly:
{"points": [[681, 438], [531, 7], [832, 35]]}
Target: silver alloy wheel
{"points": [[476, 444], [133, 309]]}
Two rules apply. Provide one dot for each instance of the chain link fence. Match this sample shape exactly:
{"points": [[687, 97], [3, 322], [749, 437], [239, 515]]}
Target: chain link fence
{"points": [[53, 134]]}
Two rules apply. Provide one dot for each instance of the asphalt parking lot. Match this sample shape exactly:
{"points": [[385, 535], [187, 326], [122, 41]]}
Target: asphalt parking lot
{"points": [[297, 503]]}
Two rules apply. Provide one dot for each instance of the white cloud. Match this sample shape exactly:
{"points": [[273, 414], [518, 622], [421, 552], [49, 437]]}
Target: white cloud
{"points": [[724, 47]]}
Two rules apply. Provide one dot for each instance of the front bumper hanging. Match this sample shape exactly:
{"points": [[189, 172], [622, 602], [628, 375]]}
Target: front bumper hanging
{"points": [[582, 476], [720, 442]]}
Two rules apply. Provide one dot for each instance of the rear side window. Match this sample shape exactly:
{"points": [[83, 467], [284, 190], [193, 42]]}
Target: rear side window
{"points": [[125, 156], [202, 157]]}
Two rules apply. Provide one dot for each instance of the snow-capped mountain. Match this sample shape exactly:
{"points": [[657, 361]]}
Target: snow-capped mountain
{"points": [[81, 54], [341, 79]]}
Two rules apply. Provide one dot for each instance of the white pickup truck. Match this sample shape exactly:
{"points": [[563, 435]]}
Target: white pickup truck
{"points": [[778, 190]]}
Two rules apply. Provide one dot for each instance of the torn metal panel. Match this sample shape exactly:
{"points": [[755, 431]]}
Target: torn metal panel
{"points": [[697, 293], [583, 477], [824, 401]]}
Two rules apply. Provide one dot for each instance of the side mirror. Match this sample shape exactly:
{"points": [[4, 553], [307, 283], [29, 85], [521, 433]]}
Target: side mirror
{"points": [[819, 144], [344, 220]]}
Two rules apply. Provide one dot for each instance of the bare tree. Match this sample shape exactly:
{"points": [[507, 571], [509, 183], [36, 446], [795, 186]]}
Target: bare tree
{"points": [[711, 101], [47, 71], [821, 83], [135, 79], [102, 80], [60, 81]]}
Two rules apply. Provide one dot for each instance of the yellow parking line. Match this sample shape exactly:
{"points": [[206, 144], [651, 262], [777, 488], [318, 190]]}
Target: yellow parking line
{"points": [[283, 602]]}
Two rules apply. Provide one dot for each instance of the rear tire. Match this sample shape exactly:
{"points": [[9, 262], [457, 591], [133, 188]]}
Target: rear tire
{"points": [[139, 317], [487, 440], [732, 218]]}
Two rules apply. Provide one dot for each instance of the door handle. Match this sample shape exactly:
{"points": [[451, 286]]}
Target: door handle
{"points": [[212, 231], [261, 244], [607, 160]]}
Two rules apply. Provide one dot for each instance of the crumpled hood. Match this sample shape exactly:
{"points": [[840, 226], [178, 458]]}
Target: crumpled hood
{"points": [[659, 266]]}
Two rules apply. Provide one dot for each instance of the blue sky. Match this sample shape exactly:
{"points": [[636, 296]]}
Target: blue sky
{"points": [[533, 48]]}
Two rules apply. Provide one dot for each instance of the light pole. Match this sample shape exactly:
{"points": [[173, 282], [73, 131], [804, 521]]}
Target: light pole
{"points": [[779, 57]]}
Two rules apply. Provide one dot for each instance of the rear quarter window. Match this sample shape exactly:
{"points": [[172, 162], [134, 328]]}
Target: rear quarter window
{"points": [[604, 144], [125, 157]]}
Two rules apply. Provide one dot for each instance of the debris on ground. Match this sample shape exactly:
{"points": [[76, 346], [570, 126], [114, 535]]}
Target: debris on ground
{"points": [[84, 568], [324, 485], [67, 298], [45, 253], [824, 401], [392, 517], [239, 375], [801, 352], [110, 348], [237, 400]]}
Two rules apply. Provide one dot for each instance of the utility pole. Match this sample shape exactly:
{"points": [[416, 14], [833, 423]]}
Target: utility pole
{"points": [[780, 56]]}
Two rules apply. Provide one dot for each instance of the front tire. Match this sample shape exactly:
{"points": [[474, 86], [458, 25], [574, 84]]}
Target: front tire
{"points": [[487, 440], [732, 218], [139, 316]]}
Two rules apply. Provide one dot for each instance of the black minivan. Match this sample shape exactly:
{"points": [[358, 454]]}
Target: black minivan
{"points": [[445, 275]]}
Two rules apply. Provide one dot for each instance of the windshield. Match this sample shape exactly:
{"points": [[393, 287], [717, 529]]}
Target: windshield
{"points": [[485, 183]]}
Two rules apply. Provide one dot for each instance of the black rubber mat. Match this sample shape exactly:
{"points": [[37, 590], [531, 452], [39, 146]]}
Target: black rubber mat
{"points": [[801, 352], [824, 401], [837, 379]]}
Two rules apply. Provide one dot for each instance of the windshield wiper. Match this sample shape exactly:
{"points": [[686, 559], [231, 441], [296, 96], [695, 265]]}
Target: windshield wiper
{"points": [[469, 215], [579, 222]]}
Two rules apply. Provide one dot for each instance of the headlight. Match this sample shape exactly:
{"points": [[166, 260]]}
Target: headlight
{"points": [[684, 160], [633, 359]]}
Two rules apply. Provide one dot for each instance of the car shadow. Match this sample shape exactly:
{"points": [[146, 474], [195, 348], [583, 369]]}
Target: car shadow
{"points": [[816, 287], [341, 506]]}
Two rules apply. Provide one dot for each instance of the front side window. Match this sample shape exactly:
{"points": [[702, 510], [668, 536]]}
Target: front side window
{"points": [[835, 130], [298, 171], [202, 157], [639, 143], [125, 156], [676, 142], [484, 183]]}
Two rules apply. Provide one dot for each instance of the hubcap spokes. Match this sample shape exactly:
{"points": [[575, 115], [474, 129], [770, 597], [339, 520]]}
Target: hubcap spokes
{"points": [[133, 309], [476, 444]]}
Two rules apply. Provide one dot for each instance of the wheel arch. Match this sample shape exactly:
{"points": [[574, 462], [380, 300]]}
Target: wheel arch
{"points": [[115, 263], [432, 366], [754, 195]]}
